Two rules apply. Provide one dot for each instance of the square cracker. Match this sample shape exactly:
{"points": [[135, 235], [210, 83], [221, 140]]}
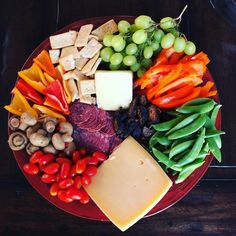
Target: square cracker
{"points": [[83, 35], [90, 49]]}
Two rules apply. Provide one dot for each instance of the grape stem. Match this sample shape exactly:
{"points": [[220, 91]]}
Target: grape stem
{"points": [[179, 18]]}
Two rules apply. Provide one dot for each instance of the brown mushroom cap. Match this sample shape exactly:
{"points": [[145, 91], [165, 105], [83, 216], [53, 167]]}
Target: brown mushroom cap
{"points": [[14, 123], [17, 141]]}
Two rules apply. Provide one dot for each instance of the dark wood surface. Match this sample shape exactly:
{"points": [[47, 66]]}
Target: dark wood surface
{"points": [[209, 209]]}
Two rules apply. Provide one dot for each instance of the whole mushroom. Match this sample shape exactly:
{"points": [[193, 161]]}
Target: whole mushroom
{"points": [[17, 141], [30, 149], [49, 124], [27, 120], [14, 123], [65, 128], [50, 149], [58, 142], [39, 140]]}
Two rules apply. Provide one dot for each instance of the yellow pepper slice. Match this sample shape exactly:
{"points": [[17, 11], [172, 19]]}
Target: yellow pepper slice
{"points": [[48, 78]]}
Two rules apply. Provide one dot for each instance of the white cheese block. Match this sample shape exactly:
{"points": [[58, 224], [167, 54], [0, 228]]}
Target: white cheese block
{"points": [[114, 89], [129, 184]]}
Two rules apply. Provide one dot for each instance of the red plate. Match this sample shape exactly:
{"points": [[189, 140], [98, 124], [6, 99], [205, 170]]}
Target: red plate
{"points": [[90, 210]]}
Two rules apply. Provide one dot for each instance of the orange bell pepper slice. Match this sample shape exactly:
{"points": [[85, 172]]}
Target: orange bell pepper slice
{"points": [[34, 77], [43, 60], [49, 112], [202, 57], [206, 88], [212, 93], [197, 65], [48, 78]]}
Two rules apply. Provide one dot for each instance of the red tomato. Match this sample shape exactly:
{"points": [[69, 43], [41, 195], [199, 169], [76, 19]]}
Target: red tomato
{"points": [[54, 189], [92, 161], [31, 169], [90, 170], [80, 166], [63, 197], [65, 183], [74, 193], [73, 171], [86, 180], [48, 179], [58, 178], [41, 167], [52, 168], [46, 159], [84, 197], [101, 156], [65, 170], [36, 156], [76, 156], [82, 151], [77, 181], [61, 160]]}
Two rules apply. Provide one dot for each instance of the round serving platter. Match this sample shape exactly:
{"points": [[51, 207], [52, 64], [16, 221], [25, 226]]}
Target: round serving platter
{"points": [[90, 210]]}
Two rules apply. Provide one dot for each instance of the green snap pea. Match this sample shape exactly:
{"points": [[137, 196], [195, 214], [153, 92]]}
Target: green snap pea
{"points": [[154, 139], [164, 126], [202, 154], [184, 123], [213, 133], [218, 141], [206, 147], [214, 113], [194, 152], [202, 108], [181, 147], [189, 129], [197, 101], [214, 149], [188, 170], [161, 157]]}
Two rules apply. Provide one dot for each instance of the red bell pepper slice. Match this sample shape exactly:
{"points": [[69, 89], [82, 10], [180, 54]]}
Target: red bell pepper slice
{"points": [[175, 57], [29, 92], [55, 97]]}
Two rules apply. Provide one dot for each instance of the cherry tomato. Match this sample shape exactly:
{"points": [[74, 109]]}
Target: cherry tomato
{"points": [[41, 167], [31, 169], [61, 160], [101, 156], [36, 156], [74, 193], [58, 177], [48, 179], [54, 189], [92, 160], [65, 183], [52, 168], [63, 197], [82, 151], [77, 181], [90, 170], [65, 170], [46, 159], [84, 197], [73, 171], [76, 156], [86, 180], [80, 166]]}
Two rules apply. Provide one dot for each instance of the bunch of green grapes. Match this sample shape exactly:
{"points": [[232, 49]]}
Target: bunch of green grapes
{"points": [[136, 44]]}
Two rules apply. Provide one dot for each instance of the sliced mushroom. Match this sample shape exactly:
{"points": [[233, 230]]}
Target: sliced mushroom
{"points": [[17, 141], [30, 149], [65, 128], [32, 129], [49, 124], [28, 119], [50, 149], [58, 142], [70, 147], [14, 123], [39, 140], [67, 138]]}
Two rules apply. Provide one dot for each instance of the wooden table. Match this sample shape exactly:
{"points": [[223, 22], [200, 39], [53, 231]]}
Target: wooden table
{"points": [[209, 209]]}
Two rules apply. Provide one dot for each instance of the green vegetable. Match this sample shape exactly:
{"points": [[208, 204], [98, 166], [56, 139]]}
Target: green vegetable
{"points": [[214, 113], [213, 133], [214, 149], [164, 126], [181, 147], [197, 101]]}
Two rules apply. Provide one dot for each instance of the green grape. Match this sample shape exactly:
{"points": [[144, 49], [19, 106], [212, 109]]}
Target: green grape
{"points": [[133, 28], [135, 66], [123, 26], [158, 35], [139, 36], [140, 72], [120, 47], [179, 44], [107, 40], [155, 45], [167, 23], [148, 52], [131, 49], [114, 67], [190, 48], [168, 40], [106, 54], [116, 59], [129, 60], [117, 41], [143, 21], [174, 31], [146, 63]]}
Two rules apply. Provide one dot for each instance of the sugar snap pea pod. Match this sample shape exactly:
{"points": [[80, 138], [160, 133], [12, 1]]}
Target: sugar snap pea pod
{"points": [[197, 101], [189, 129], [180, 155], [214, 113], [167, 151], [213, 133], [214, 149], [161, 157], [188, 170], [202, 154], [184, 122], [206, 147], [202, 108], [154, 139], [164, 126], [181, 147], [194, 152], [218, 141], [173, 113]]}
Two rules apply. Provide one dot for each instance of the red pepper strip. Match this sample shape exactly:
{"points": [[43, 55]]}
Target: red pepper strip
{"points": [[206, 88], [185, 59], [175, 57], [29, 92], [163, 60], [43, 60], [201, 56], [175, 95], [181, 101], [55, 97]]}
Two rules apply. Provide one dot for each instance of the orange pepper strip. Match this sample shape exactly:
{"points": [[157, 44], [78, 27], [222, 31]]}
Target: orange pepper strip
{"points": [[201, 56], [206, 88], [43, 60], [48, 78], [175, 57], [212, 93], [197, 65]]}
